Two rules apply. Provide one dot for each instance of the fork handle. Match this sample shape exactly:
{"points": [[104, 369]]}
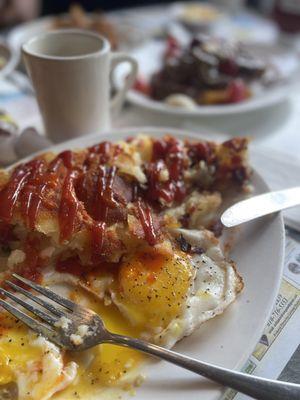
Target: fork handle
{"points": [[256, 387]]}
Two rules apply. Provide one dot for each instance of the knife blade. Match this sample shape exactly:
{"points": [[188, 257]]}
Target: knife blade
{"points": [[258, 206]]}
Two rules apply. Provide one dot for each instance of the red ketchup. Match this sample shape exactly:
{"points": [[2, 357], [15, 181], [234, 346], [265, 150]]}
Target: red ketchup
{"points": [[68, 209], [87, 192], [145, 217], [167, 154], [97, 240]]}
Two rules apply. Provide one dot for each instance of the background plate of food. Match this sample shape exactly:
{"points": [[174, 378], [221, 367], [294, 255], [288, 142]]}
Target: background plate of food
{"points": [[197, 16], [209, 76], [146, 286], [120, 34]]}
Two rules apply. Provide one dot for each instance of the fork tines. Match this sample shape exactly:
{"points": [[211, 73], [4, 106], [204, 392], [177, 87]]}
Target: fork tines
{"points": [[49, 318]]}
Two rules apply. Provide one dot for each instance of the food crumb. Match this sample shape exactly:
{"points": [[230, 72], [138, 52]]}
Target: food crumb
{"points": [[76, 339], [63, 323]]}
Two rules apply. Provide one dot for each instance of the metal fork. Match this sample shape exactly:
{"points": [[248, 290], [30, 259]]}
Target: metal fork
{"points": [[76, 328]]}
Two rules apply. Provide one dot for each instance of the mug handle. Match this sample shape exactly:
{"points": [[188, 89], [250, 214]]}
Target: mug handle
{"points": [[118, 99]]}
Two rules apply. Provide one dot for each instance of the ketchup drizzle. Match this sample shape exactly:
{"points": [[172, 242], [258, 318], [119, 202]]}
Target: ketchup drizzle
{"points": [[167, 154], [11, 192], [95, 187], [67, 158], [104, 195], [103, 149], [32, 265], [31, 196], [68, 209], [64, 158], [145, 217], [97, 235]]}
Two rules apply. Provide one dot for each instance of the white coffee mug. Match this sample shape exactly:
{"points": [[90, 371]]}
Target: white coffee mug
{"points": [[70, 71]]}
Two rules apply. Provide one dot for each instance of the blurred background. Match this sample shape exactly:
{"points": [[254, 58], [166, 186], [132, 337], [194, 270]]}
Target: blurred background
{"points": [[269, 28], [286, 13]]}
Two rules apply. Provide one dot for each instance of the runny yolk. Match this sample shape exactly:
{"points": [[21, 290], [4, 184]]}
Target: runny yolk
{"points": [[110, 363], [153, 288], [16, 349], [6, 373]]}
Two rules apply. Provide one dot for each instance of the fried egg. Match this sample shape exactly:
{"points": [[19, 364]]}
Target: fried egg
{"points": [[157, 297]]}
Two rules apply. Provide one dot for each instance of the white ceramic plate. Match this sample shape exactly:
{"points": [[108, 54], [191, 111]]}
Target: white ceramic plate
{"points": [[228, 339], [23, 32], [149, 57], [129, 35]]}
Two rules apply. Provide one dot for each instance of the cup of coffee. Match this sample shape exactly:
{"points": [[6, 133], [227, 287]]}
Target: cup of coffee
{"points": [[70, 71]]}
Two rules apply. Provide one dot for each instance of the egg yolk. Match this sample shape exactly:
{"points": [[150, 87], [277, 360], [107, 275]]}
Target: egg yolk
{"points": [[16, 349], [153, 287], [6, 374]]}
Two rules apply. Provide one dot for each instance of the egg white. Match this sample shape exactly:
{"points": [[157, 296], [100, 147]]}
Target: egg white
{"points": [[215, 286]]}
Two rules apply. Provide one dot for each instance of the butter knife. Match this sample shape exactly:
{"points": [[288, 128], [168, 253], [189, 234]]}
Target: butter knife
{"points": [[258, 206]]}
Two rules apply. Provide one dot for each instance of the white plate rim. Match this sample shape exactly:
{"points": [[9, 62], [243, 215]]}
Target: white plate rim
{"points": [[16, 32], [142, 101], [91, 139]]}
